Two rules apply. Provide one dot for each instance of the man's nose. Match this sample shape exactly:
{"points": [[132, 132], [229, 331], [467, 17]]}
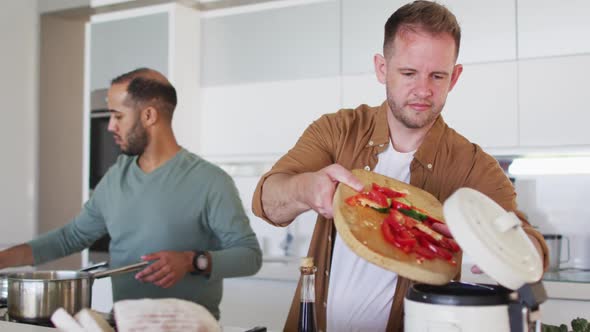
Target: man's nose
{"points": [[111, 128], [423, 88]]}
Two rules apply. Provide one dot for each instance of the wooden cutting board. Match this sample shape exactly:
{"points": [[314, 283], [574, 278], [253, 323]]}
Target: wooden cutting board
{"points": [[360, 228]]}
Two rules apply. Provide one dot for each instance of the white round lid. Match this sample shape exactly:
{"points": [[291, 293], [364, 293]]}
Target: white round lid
{"points": [[493, 237]]}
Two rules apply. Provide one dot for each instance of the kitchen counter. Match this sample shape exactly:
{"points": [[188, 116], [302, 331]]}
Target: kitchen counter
{"points": [[568, 275], [17, 327]]}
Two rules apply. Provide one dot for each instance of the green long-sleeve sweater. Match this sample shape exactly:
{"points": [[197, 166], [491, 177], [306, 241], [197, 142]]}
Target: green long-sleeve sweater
{"points": [[185, 204]]}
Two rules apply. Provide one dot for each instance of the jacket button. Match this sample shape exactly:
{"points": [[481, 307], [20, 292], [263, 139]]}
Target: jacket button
{"points": [[371, 143], [325, 304], [367, 168], [429, 166], [327, 273]]}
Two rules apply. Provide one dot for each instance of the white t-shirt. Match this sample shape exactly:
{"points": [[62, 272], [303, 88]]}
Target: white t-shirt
{"points": [[360, 293]]}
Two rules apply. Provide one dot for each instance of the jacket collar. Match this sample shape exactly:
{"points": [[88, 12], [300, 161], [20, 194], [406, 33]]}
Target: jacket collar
{"points": [[381, 133], [426, 153]]}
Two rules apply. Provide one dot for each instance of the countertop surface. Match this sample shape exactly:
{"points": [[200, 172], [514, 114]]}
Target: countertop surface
{"points": [[16, 327], [568, 275]]}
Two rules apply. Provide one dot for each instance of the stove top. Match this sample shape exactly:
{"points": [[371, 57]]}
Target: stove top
{"points": [[6, 318]]}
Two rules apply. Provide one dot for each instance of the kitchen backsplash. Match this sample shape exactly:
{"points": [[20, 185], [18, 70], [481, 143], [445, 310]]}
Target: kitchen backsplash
{"points": [[554, 204], [276, 241]]}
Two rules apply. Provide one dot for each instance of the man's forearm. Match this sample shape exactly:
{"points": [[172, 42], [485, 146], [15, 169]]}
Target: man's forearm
{"points": [[16, 256], [281, 198]]}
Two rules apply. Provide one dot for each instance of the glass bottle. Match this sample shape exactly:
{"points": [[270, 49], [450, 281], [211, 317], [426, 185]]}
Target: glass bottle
{"points": [[307, 315]]}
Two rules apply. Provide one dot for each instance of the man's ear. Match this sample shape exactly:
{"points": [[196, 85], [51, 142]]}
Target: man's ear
{"points": [[380, 68], [149, 116], [455, 75]]}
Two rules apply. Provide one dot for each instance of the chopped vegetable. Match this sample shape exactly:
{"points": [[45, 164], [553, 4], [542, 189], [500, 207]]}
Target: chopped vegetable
{"points": [[388, 191], [406, 227], [413, 213]]}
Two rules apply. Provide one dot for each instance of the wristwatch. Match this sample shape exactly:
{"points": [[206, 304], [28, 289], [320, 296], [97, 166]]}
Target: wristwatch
{"points": [[200, 262]]}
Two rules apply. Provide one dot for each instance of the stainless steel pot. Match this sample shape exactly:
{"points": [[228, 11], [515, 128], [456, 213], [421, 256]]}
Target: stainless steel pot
{"points": [[3, 289], [34, 296]]}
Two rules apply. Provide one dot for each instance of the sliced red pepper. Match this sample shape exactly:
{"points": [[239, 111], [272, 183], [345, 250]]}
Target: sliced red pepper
{"points": [[377, 197], [387, 232], [352, 200], [409, 222], [424, 252], [388, 191], [402, 219], [389, 236], [450, 244], [440, 252], [410, 243], [397, 216], [392, 221]]}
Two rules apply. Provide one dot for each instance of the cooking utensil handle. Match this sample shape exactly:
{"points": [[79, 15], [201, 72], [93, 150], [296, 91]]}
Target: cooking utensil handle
{"points": [[95, 266], [122, 269]]}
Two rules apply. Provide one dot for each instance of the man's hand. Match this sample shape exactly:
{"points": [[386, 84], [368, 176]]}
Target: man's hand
{"points": [[19, 255], [284, 196], [169, 267], [318, 188]]}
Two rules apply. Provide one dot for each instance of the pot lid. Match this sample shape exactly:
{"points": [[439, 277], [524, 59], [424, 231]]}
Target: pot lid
{"points": [[493, 237]]}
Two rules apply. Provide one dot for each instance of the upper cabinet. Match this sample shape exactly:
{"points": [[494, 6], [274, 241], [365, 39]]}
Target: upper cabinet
{"points": [[362, 32], [121, 44], [483, 106], [552, 27], [488, 31], [267, 73], [553, 105]]}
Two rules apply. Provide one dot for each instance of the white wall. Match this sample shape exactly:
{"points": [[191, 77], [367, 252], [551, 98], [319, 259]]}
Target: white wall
{"points": [[18, 129]]}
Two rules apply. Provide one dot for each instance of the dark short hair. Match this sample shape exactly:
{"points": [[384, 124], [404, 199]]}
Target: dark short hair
{"points": [[429, 16], [148, 87]]}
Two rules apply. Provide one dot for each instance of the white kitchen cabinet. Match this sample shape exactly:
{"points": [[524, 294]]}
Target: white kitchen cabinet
{"points": [[483, 105], [260, 300], [553, 106], [263, 119], [297, 40], [553, 27], [362, 89], [163, 37], [266, 76], [488, 31]]}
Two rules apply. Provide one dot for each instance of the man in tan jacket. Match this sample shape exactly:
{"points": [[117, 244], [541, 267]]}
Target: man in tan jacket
{"points": [[405, 138]]}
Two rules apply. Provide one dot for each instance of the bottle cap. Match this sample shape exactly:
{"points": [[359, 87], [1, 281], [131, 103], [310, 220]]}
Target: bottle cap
{"points": [[307, 262]]}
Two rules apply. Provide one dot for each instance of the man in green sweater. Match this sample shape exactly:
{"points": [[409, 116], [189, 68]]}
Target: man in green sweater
{"points": [[159, 203]]}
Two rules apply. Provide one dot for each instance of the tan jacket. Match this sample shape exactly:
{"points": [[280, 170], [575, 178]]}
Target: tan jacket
{"points": [[445, 162]]}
